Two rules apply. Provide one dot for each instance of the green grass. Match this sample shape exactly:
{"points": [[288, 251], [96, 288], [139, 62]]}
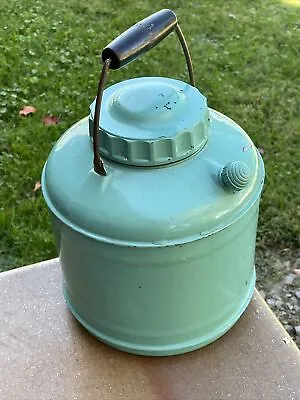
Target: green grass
{"points": [[246, 62]]}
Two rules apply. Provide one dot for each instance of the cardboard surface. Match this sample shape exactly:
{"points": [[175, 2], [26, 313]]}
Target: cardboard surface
{"points": [[45, 354]]}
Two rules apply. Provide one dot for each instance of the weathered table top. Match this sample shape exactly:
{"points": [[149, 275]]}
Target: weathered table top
{"points": [[46, 354]]}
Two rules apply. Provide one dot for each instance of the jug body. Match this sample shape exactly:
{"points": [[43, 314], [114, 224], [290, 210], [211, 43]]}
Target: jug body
{"points": [[129, 284], [154, 199]]}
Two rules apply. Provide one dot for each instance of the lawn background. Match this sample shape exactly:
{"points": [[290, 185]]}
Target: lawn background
{"points": [[246, 61]]}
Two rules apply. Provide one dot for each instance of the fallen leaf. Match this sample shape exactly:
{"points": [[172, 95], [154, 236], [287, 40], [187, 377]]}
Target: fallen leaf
{"points": [[297, 271], [27, 110], [261, 151], [50, 120], [37, 186], [232, 16]]}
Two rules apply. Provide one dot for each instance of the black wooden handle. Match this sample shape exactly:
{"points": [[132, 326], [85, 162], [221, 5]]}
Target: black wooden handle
{"points": [[140, 38]]}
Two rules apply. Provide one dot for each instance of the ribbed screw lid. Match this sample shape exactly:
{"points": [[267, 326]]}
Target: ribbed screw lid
{"points": [[151, 121]]}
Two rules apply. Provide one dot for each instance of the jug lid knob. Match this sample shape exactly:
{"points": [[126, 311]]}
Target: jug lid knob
{"points": [[235, 176]]}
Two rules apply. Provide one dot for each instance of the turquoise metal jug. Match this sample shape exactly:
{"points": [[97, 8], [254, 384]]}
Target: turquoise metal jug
{"points": [[156, 239]]}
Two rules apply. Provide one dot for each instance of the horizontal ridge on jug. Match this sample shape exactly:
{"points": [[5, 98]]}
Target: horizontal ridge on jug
{"points": [[154, 204]]}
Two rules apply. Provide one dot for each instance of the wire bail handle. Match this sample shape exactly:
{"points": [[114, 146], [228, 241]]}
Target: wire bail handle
{"points": [[132, 43]]}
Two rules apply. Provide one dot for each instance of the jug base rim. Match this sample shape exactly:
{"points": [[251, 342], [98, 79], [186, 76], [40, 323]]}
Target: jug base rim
{"points": [[165, 350]]}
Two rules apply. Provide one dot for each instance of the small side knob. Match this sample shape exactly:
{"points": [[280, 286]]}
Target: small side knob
{"points": [[235, 176]]}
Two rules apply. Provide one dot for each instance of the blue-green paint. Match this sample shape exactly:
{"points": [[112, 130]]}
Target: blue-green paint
{"points": [[150, 121], [235, 176], [156, 260]]}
